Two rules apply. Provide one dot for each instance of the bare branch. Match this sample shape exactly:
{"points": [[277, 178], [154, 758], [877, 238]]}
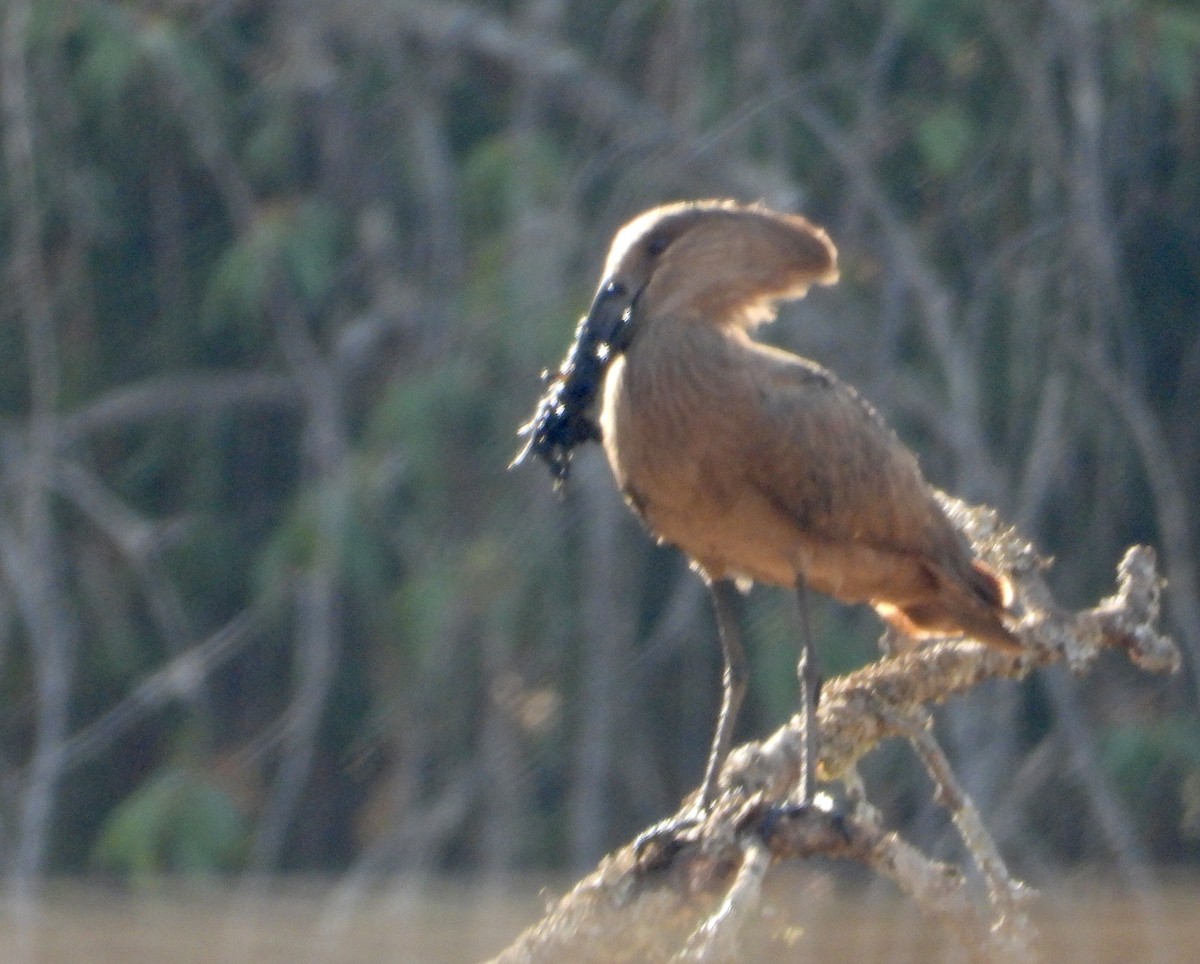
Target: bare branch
{"points": [[1013, 931], [29, 553], [693, 889], [179, 679], [1170, 494], [178, 395], [716, 938]]}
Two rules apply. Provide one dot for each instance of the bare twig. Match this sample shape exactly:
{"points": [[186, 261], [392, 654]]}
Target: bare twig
{"points": [[29, 560], [1012, 933], [179, 395], [716, 939], [1170, 496], [179, 679]]}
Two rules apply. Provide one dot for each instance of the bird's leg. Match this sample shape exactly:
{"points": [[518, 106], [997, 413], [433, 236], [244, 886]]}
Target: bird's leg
{"points": [[733, 684], [810, 693], [656, 845]]}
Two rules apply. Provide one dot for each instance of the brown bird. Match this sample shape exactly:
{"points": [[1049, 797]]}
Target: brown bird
{"points": [[759, 464]]}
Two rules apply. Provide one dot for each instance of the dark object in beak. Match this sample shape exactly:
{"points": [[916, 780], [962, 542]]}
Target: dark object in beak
{"points": [[563, 419]]}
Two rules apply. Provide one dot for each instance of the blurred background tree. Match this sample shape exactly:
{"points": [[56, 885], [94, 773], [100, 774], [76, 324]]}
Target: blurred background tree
{"points": [[280, 280]]}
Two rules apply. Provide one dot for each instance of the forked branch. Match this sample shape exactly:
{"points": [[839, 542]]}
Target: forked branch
{"points": [[685, 897]]}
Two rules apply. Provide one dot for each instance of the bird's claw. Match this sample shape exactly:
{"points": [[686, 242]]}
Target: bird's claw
{"points": [[657, 846], [820, 808]]}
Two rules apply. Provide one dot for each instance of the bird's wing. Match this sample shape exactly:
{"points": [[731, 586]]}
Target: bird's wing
{"points": [[824, 458], [822, 455]]}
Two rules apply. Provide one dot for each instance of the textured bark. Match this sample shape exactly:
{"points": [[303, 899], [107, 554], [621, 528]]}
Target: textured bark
{"points": [[684, 894]]}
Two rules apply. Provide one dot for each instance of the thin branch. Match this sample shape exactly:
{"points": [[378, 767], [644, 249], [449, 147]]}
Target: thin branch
{"points": [[140, 541], [29, 268], [316, 598], [858, 710], [628, 124], [33, 550], [716, 938], [179, 395], [1011, 930], [181, 678], [1170, 495]]}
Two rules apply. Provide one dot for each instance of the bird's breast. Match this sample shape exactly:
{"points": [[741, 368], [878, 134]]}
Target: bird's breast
{"points": [[652, 424], [676, 434]]}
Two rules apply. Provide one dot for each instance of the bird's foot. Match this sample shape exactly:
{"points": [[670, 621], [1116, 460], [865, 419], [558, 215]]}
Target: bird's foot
{"points": [[820, 802], [658, 845], [818, 811]]}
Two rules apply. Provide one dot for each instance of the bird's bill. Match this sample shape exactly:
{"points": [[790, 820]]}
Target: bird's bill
{"points": [[608, 319], [564, 415]]}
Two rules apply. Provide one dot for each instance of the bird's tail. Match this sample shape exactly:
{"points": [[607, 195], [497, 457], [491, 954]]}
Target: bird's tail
{"points": [[990, 586], [970, 602]]}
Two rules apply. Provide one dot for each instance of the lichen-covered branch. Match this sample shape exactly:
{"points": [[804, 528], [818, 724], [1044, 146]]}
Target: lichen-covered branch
{"points": [[1011, 933], [687, 895]]}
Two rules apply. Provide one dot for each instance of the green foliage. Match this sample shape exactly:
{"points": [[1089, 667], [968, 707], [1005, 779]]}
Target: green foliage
{"points": [[110, 60], [178, 821], [945, 137], [336, 517], [297, 242], [1139, 755], [1156, 767], [313, 251], [1176, 30]]}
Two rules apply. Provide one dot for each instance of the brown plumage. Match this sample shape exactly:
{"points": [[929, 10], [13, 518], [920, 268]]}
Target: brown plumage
{"points": [[755, 462], [758, 463]]}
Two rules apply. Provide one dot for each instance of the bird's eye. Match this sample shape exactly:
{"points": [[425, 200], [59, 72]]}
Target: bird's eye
{"points": [[657, 244]]}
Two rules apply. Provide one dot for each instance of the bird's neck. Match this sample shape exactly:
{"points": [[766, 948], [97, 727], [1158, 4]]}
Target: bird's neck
{"points": [[676, 352]]}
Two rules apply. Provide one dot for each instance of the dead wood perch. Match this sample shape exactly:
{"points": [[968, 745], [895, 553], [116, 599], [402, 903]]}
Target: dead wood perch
{"points": [[688, 903], [762, 465]]}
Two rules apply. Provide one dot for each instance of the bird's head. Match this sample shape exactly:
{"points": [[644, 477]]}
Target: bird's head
{"points": [[718, 262], [715, 262]]}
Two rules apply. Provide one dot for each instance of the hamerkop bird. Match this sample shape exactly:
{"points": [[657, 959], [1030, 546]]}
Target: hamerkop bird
{"points": [[756, 463]]}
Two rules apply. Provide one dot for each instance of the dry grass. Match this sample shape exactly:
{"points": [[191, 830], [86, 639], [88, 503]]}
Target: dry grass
{"points": [[805, 914]]}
